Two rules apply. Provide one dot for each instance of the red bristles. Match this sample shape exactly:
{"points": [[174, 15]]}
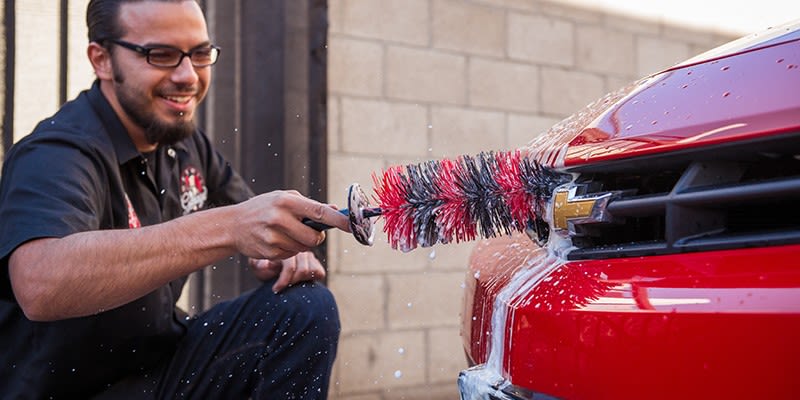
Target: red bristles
{"points": [[392, 190], [453, 216], [509, 177]]}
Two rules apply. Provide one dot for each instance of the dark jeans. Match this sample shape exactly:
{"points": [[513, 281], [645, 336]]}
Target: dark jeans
{"points": [[260, 345]]}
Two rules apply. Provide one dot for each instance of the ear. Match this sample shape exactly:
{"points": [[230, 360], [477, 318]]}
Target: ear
{"points": [[101, 61]]}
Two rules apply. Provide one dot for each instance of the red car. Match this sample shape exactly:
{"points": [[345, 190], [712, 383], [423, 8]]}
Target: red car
{"points": [[672, 268]]}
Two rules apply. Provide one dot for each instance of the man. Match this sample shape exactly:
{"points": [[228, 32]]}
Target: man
{"points": [[109, 204]]}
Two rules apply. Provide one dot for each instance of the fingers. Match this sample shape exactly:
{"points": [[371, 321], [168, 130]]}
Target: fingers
{"points": [[265, 270], [300, 268], [269, 226], [287, 273], [327, 214], [289, 208]]}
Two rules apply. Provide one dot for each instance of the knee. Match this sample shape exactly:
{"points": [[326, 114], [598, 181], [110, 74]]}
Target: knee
{"points": [[310, 306], [314, 300]]}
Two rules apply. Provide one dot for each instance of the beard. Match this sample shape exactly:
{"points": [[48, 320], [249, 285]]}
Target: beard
{"points": [[156, 131]]}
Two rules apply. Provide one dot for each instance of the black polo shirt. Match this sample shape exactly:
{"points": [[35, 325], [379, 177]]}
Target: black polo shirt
{"points": [[79, 171]]}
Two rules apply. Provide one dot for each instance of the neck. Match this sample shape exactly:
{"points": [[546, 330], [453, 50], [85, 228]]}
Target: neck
{"points": [[135, 131]]}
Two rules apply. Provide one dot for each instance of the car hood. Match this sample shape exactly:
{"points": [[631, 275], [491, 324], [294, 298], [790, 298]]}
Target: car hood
{"points": [[742, 90]]}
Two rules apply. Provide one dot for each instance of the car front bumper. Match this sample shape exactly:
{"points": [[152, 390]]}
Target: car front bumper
{"points": [[482, 383]]}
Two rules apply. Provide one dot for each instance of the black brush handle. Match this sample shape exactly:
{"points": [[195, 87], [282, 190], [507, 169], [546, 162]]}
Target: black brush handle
{"points": [[319, 225]]}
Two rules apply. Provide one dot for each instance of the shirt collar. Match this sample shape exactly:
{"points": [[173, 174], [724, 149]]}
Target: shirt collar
{"points": [[123, 145]]}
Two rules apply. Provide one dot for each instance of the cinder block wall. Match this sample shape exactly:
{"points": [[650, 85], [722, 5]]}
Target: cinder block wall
{"points": [[412, 80]]}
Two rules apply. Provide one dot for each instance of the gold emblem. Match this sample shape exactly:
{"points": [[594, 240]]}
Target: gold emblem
{"points": [[570, 209]]}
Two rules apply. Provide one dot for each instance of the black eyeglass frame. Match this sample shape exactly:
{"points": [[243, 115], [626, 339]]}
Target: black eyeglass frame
{"points": [[145, 51]]}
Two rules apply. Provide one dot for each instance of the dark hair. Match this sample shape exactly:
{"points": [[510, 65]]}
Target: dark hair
{"points": [[102, 18]]}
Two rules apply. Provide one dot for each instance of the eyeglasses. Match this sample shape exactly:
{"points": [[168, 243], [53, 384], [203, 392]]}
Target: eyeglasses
{"points": [[170, 57]]}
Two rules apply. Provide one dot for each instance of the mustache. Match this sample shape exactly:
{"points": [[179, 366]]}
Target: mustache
{"points": [[179, 89]]}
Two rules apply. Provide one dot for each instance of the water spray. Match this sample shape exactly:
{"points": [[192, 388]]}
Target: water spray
{"points": [[444, 201]]}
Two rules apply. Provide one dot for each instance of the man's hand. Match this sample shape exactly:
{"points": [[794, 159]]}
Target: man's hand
{"points": [[269, 226], [302, 267]]}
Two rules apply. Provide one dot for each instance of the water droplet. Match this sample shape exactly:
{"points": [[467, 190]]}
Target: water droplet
{"points": [[401, 350], [684, 86], [725, 68], [627, 128], [654, 122], [432, 255], [398, 374], [409, 305], [430, 126], [780, 60], [726, 94]]}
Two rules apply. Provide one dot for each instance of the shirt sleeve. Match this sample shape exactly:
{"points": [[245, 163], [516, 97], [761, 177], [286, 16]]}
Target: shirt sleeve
{"points": [[49, 188]]}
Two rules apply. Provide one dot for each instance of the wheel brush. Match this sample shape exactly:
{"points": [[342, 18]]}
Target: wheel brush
{"points": [[442, 201]]}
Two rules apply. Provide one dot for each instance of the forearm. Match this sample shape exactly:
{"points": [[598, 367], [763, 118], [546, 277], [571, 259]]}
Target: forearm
{"points": [[88, 272]]}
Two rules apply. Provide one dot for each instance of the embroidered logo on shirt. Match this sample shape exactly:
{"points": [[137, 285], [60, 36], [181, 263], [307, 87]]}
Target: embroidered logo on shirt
{"points": [[193, 190], [133, 219]]}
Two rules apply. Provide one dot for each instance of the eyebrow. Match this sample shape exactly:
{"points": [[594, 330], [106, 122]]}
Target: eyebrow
{"points": [[156, 45]]}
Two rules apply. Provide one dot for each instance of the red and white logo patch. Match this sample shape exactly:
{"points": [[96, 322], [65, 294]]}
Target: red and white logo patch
{"points": [[193, 190], [133, 219]]}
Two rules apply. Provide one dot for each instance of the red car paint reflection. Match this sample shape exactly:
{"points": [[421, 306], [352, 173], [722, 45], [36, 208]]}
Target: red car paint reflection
{"points": [[733, 98], [720, 324]]}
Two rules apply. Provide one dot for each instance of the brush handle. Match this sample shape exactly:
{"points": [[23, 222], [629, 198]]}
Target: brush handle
{"points": [[366, 213], [319, 225]]}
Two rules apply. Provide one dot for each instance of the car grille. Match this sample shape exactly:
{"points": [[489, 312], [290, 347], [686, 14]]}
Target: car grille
{"points": [[735, 195]]}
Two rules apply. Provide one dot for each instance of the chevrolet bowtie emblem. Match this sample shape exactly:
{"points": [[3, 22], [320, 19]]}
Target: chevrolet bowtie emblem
{"points": [[571, 209]]}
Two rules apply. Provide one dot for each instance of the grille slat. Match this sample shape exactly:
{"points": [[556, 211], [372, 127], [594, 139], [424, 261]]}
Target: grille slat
{"points": [[729, 196]]}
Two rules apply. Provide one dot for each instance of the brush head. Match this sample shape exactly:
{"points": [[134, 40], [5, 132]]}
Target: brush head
{"points": [[459, 200]]}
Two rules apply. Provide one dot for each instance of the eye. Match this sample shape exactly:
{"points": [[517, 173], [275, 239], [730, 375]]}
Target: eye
{"points": [[163, 55], [205, 54]]}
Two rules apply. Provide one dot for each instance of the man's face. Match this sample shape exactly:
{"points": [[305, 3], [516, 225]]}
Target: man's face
{"points": [[159, 103]]}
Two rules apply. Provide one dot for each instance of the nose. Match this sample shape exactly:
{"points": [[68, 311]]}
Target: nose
{"points": [[185, 72]]}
